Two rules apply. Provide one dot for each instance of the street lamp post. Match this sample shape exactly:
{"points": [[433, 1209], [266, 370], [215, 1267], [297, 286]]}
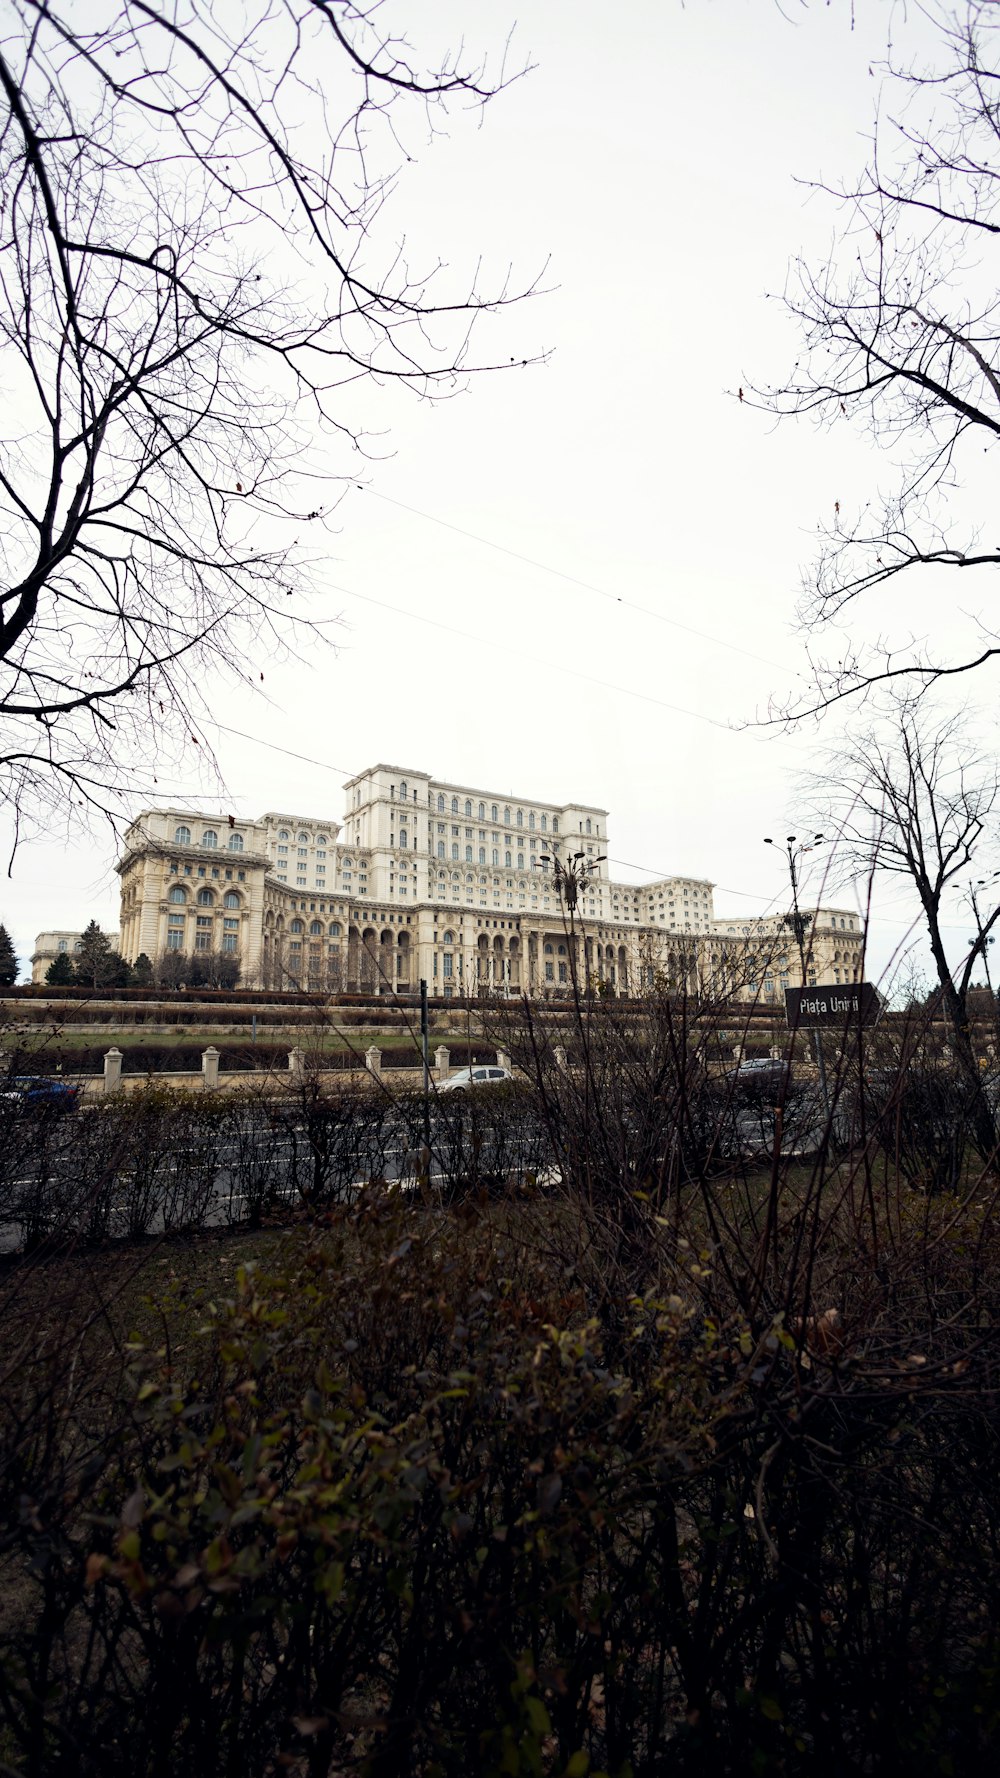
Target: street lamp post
{"points": [[983, 937], [570, 877], [794, 851]]}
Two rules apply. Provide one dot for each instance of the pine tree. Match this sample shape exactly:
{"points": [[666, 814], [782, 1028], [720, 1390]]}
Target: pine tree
{"points": [[94, 963], [8, 960], [142, 972], [60, 973]]}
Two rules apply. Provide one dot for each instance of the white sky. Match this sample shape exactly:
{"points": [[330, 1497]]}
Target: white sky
{"points": [[650, 158]]}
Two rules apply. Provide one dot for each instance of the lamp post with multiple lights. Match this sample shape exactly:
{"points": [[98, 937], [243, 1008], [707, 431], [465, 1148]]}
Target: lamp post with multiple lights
{"points": [[795, 850], [570, 876]]}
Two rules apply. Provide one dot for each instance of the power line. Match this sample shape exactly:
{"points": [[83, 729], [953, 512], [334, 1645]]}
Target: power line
{"points": [[574, 580]]}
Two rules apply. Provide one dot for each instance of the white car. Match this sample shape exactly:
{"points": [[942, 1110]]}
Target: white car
{"points": [[474, 1077]]}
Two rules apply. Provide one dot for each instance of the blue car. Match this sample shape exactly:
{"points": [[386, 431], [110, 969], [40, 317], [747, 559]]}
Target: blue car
{"points": [[40, 1092]]}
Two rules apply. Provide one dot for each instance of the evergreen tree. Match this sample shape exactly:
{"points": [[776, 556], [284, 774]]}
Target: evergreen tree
{"points": [[94, 959], [60, 973], [142, 972], [8, 960]]}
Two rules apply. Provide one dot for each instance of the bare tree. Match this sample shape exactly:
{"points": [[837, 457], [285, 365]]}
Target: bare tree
{"points": [[901, 337], [914, 799], [190, 285]]}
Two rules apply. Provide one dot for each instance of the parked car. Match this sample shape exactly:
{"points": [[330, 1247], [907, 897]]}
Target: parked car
{"points": [[39, 1092], [759, 1077], [474, 1077]]}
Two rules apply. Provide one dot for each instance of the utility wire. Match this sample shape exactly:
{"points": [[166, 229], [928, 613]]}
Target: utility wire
{"points": [[574, 580]]}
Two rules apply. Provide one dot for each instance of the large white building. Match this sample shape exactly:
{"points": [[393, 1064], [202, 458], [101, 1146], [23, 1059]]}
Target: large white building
{"points": [[425, 878]]}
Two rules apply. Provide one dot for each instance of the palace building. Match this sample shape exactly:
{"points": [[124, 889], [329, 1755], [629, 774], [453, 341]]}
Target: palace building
{"points": [[421, 878]]}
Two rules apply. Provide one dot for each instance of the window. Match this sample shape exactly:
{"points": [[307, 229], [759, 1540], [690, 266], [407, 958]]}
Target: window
{"points": [[321, 839], [454, 805], [230, 899], [283, 834], [588, 823], [468, 854], [402, 789], [296, 926], [236, 842], [447, 964], [549, 973], [303, 839], [454, 851], [506, 817], [206, 898], [182, 836], [440, 805], [403, 839], [506, 859], [520, 817], [176, 894], [493, 816], [204, 920], [468, 807], [175, 941], [555, 824], [482, 811], [545, 824], [316, 929], [63, 946], [448, 938], [172, 920], [210, 838], [335, 930], [496, 856]]}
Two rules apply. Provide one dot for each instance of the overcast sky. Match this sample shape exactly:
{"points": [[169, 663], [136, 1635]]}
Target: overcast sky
{"points": [[577, 580]]}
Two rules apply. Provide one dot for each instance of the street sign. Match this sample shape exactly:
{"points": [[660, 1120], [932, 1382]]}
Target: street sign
{"points": [[831, 1004]]}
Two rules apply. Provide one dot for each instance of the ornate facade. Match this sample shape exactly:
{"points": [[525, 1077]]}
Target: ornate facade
{"points": [[426, 879]]}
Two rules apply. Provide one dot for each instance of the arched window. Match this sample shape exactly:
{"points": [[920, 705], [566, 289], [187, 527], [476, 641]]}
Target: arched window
{"points": [[531, 819], [440, 804], [403, 836], [494, 809], [176, 894], [284, 834], [506, 859], [230, 899], [482, 854], [468, 854], [548, 950], [335, 929], [321, 839], [506, 817], [555, 824], [482, 811], [440, 845], [520, 817], [303, 839], [316, 929], [468, 807], [447, 938], [454, 851], [402, 789], [182, 836], [347, 864], [588, 823], [496, 856], [236, 842], [562, 950], [206, 898], [545, 824], [210, 838], [296, 926], [454, 805], [520, 861]]}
